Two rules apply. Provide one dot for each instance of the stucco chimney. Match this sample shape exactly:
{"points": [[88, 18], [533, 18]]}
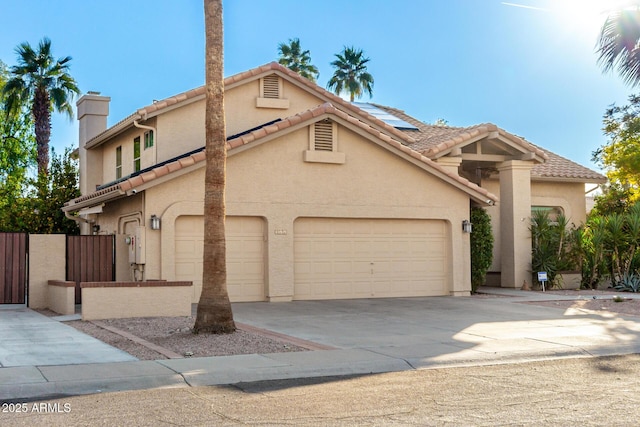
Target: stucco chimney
{"points": [[93, 111]]}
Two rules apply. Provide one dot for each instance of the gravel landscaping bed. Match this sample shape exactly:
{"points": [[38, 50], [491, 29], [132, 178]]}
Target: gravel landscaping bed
{"points": [[594, 301], [174, 334]]}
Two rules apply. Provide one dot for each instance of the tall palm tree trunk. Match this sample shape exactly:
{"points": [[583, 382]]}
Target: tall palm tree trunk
{"points": [[42, 122], [214, 309]]}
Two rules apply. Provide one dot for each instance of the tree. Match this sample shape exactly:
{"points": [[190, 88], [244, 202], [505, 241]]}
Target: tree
{"points": [[618, 44], [214, 313], [620, 156], [36, 207], [43, 83], [351, 74], [614, 198], [294, 58], [17, 154]]}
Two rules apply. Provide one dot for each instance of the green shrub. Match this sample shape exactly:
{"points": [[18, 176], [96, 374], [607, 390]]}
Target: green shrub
{"points": [[611, 248], [554, 246], [481, 247]]}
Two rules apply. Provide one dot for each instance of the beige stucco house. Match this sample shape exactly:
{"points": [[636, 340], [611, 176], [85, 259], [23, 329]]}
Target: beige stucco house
{"points": [[325, 198]]}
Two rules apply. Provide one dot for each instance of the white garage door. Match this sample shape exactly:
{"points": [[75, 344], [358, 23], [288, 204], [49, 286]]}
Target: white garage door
{"points": [[362, 258], [245, 256]]}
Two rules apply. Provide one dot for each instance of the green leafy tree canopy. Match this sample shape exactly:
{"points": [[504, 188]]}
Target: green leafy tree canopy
{"points": [[620, 156], [44, 84], [17, 144], [351, 74], [618, 44], [39, 209], [294, 58]]}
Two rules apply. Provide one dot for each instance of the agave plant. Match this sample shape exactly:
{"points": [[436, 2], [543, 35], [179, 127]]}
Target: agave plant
{"points": [[629, 282]]}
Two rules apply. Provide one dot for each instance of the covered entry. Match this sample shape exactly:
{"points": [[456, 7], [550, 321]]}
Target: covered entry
{"points": [[245, 255], [339, 258]]}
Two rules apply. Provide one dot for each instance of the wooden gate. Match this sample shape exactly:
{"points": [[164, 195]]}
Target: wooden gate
{"points": [[90, 259], [13, 268]]}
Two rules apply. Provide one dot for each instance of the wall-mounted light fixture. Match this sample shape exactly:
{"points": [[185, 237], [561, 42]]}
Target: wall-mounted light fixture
{"points": [[95, 228], [467, 227], [155, 222]]}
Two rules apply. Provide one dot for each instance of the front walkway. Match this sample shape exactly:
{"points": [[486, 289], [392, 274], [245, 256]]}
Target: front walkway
{"points": [[28, 338]]}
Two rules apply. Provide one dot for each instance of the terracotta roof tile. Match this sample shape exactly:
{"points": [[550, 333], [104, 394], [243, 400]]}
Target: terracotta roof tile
{"points": [[308, 115], [431, 140], [559, 167], [103, 192], [273, 66]]}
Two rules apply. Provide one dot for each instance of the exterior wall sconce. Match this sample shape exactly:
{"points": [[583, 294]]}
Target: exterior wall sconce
{"points": [[467, 227], [155, 222], [95, 228]]}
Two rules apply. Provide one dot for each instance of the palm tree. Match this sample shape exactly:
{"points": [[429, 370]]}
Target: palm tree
{"points": [[618, 44], [351, 74], [44, 84], [214, 313], [294, 58]]}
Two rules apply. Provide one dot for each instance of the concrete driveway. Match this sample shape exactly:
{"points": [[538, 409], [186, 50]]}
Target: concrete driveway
{"points": [[438, 331], [41, 357]]}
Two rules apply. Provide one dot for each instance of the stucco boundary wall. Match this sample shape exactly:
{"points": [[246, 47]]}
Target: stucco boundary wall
{"points": [[116, 300], [61, 296], [47, 260]]}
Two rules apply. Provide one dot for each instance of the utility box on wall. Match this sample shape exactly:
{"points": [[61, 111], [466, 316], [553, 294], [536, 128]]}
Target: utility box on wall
{"points": [[136, 244]]}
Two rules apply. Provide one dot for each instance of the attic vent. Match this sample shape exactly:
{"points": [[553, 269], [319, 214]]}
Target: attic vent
{"points": [[271, 86], [323, 140]]}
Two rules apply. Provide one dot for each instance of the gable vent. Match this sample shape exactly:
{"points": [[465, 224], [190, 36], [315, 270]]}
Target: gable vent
{"points": [[323, 140], [271, 86]]}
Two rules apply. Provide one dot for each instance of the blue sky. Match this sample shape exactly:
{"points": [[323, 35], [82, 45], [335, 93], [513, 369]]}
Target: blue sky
{"points": [[530, 70]]}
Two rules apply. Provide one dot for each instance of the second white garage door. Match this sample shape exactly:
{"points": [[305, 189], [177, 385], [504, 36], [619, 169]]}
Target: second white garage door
{"points": [[245, 256], [367, 258]]}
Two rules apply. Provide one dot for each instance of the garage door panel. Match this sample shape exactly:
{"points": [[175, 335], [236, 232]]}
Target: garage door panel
{"points": [[363, 258], [245, 255]]}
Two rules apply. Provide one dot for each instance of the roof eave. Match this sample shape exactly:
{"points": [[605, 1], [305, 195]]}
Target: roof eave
{"points": [[113, 194], [582, 180]]}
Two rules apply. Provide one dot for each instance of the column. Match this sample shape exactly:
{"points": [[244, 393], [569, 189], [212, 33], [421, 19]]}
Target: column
{"points": [[515, 213]]}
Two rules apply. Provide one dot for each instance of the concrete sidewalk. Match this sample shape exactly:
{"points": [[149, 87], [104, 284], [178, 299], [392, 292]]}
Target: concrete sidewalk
{"points": [[370, 336]]}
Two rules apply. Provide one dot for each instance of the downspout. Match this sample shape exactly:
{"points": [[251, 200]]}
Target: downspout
{"points": [[78, 219], [155, 138]]}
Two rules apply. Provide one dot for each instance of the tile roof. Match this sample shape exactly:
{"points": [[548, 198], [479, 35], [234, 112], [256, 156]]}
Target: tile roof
{"points": [[328, 108], [428, 139], [272, 128], [432, 139], [292, 76], [558, 167]]}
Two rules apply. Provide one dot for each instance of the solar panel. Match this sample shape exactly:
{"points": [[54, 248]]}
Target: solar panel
{"points": [[385, 116]]}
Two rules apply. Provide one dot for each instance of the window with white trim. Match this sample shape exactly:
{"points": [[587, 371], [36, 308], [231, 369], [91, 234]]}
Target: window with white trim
{"points": [[136, 154], [119, 162], [148, 139]]}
